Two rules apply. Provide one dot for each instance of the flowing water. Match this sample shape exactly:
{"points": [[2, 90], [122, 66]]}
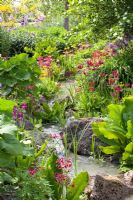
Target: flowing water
{"points": [[84, 163], [95, 166]]}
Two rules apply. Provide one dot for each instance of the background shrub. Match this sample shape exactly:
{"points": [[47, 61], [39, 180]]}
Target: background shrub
{"points": [[19, 40], [4, 42]]}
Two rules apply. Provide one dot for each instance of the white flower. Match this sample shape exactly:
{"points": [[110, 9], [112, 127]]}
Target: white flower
{"points": [[27, 142]]}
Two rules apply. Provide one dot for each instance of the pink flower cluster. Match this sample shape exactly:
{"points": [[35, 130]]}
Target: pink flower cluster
{"points": [[45, 61], [113, 83], [61, 178], [56, 136], [65, 164], [96, 60], [32, 171], [91, 86]]}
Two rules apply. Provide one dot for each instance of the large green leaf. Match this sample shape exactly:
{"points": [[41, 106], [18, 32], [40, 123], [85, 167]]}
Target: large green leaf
{"points": [[96, 131], [115, 113], [114, 132], [4, 177], [110, 149], [8, 128], [109, 131], [10, 145], [77, 187], [129, 147], [127, 156], [6, 105], [127, 113], [6, 160], [117, 130], [130, 129], [10, 82], [23, 75]]}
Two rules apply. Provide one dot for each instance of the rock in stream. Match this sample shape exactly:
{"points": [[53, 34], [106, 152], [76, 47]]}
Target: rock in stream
{"points": [[107, 187]]}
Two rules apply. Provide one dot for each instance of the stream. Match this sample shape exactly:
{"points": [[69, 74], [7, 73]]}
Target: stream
{"points": [[84, 163]]}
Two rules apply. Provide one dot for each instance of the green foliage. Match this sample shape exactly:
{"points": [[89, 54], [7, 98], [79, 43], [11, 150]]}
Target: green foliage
{"points": [[56, 113], [10, 147], [77, 187], [50, 42], [4, 42], [47, 88], [35, 187], [122, 62], [6, 106], [73, 190], [104, 17], [20, 71], [89, 104], [117, 130], [19, 40], [51, 170]]}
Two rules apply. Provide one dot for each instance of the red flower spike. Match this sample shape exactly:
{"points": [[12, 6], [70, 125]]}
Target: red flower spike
{"points": [[63, 163], [91, 84], [117, 89], [60, 177], [80, 66], [96, 54], [111, 81], [91, 89], [127, 85], [102, 74], [32, 172], [115, 73], [89, 62]]}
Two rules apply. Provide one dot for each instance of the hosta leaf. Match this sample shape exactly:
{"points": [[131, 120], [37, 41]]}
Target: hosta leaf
{"points": [[6, 160], [10, 145], [115, 113], [96, 131], [9, 68], [23, 75], [112, 134], [10, 82], [127, 113], [7, 91], [28, 151], [110, 149], [127, 156], [6, 105], [129, 147], [4, 177], [130, 129], [8, 128]]}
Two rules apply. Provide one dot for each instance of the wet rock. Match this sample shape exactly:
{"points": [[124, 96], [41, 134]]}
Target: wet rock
{"points": [[42, 135], [53, 134], [128, 177], [81, 130], [112, 187]]}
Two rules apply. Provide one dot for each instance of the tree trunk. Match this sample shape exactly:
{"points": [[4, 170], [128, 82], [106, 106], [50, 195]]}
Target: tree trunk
{"points": [[66, 19]]}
